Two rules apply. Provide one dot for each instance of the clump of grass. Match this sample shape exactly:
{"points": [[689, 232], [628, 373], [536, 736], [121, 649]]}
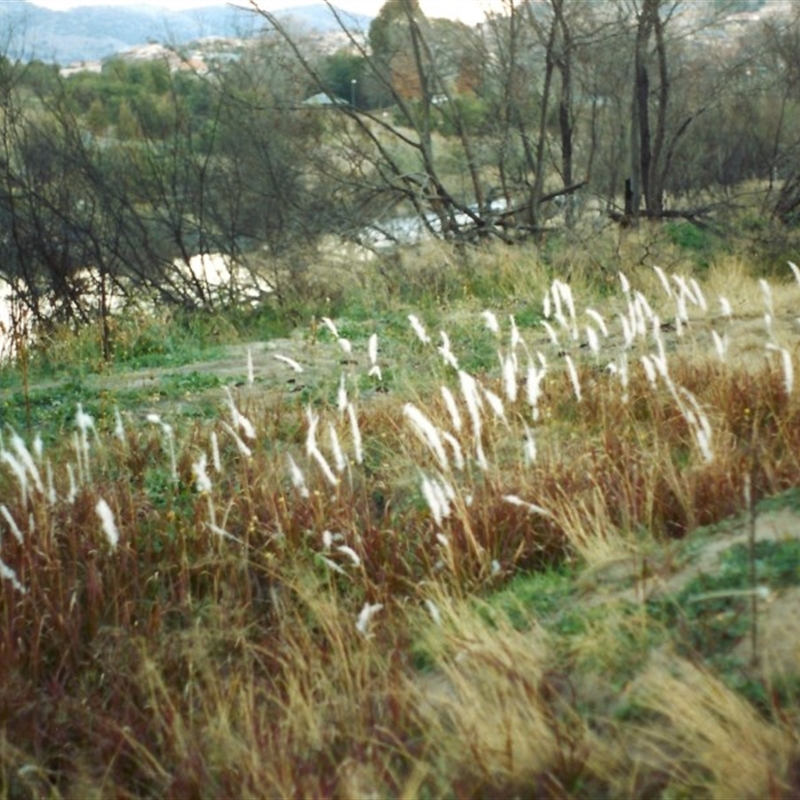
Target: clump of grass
{"points": [[236, 606]]}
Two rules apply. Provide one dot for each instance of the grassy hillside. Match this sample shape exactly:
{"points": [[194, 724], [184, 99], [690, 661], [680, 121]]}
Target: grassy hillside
{"points": [[499, 523]]}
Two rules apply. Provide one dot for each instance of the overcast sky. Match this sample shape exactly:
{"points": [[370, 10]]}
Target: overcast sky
{"points": [[469, 11]]}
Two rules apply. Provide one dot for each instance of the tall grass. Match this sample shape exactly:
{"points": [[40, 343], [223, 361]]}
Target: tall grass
{"points": [[282, 602]]}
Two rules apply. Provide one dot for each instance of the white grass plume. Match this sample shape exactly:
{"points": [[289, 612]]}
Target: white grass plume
{"points": [[85, 425], [169, 438], [720, 345], [339, 460], [641, 302], [355, 434], [787, 366], [627, 332], [681, 312], [795, 271], [222, 533], [372, 349], [766, 292], [495, 402], [311, 435], [684, 291], [656, 332], [649, 370], [51, 487], [250, 371], [529, 447], [491, 322], [515, 336], [725, 307], [240, 445], [660, 363], [298, 479], [372, 353], [18, 471], [8, 574], [84, 421], [332, 565], [788, 370], [599, 321], [550, 332], [12, 523], [433, 610], [419, 329], [700, 298], [73, 486], [565, 291], [514, 500], [215, 459], [620, 369], [472, 397], [341, 395], [663, 280], [427, 432], [119, 428], [593, 341], [288, 361], [27, 461], [533, 387], [350, 553], [509, 368], [573, 376], [323, 464], [436, 499], [636, 319], [455, 447], [698, 422], [240, 422], [199, 469], [365, 616], [480, 457], [107, 523], [446, 351], [558, 311], [329, 324], [452, 409]]}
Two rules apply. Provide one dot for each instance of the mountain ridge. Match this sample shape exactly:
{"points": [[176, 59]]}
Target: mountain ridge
{"points": [[89, 33]]}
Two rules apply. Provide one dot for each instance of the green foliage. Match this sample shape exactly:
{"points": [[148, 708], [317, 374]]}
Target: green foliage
{"points": [[692, 239], [467, 114], [343, 74], [383, 36], [711, 614], [544, 598], [471, 114], [687, 236]]}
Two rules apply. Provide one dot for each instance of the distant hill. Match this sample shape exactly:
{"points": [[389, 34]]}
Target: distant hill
{"points": [[88, 33]]}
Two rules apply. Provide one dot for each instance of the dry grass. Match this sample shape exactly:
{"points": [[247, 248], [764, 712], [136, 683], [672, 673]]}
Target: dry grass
{"points": [[238, 626]]}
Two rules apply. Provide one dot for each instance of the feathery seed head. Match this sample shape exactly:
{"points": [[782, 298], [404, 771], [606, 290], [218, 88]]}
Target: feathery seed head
{"points": [[419, 329], [107, 522]]}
